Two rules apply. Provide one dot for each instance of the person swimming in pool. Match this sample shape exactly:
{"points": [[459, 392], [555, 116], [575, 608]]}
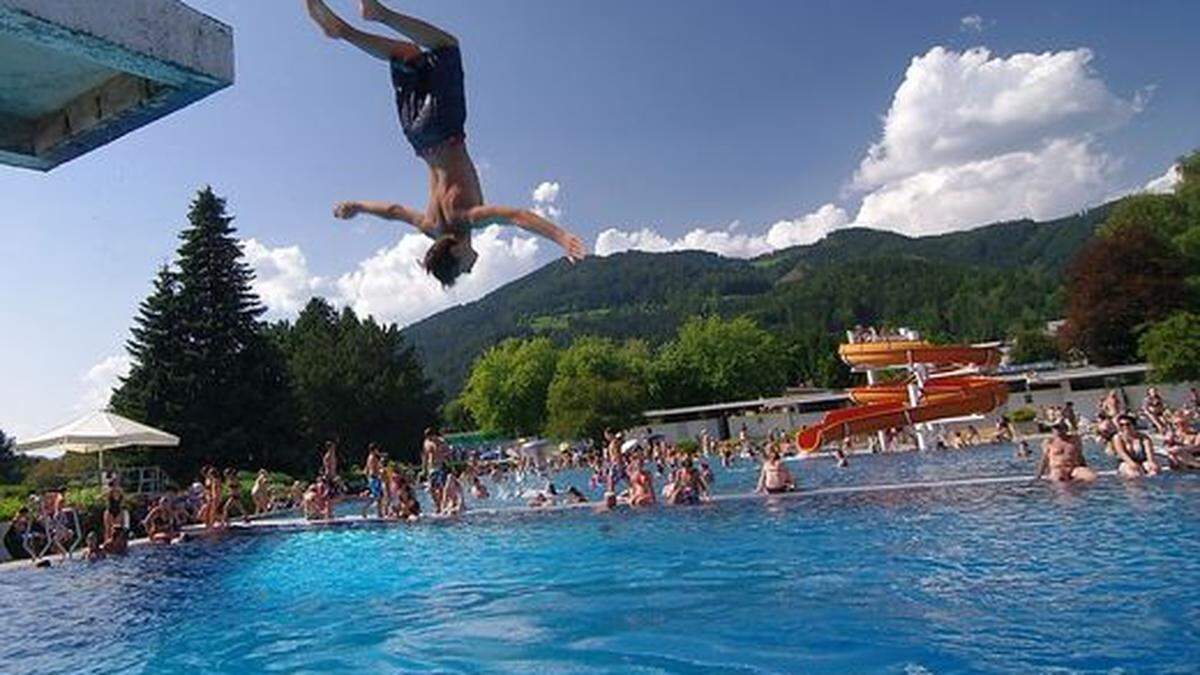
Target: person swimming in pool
{"points": [[1062, 457], [427, 77]]}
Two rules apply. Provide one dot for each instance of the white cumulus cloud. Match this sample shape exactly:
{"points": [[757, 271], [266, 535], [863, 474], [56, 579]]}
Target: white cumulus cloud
{"points": [[1058, 178], [971, 23], [392, 286], [282, 278], [545, 200], [971, 138], [100, 380], [1165, 184], [806, 229]]}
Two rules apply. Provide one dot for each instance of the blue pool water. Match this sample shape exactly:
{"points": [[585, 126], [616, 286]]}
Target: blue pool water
{"points": [[1025, 577]]}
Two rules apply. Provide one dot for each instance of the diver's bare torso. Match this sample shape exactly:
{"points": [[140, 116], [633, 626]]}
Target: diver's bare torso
{"points": [[454, 190]]}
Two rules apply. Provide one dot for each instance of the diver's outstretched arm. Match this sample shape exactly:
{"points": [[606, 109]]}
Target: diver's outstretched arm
{"points": [[385, 210], [425, 34], [529, 221], [376, 45]]}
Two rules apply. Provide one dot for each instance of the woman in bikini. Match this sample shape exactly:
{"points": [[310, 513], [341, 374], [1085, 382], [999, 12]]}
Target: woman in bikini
{"points": [[234, 499], [1134, 449], [261, 493], [1182, 444], [689, 486], [641, 485], [114, 507]]}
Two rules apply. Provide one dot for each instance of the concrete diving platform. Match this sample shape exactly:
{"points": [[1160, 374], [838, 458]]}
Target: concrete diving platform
{"points": [[78, 74]]}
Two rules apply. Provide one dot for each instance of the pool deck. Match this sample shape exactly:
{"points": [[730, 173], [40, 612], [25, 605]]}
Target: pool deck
{"points": [[266, 525]]}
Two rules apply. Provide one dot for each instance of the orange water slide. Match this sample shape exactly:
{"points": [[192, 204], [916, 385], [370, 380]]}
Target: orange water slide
{"points": [[890, 354], [886, 406]]}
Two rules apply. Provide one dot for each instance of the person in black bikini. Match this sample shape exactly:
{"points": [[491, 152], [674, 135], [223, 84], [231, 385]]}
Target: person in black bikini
{"points": [[160, 522], [233, 498], [427, 77], [114, 508], [1134, 449]]}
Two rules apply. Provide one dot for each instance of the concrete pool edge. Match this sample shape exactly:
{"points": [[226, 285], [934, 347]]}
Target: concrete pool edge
{"points": [[196, 533]]}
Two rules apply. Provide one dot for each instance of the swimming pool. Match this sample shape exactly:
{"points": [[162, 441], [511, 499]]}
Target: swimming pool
{"points": [[992, 578]]}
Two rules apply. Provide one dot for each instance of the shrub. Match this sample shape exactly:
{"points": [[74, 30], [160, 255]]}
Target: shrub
{"points": [[1019, 415]]}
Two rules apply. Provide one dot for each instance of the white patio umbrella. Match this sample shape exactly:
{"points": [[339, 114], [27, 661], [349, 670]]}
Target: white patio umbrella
{"points": [[95, 433]]}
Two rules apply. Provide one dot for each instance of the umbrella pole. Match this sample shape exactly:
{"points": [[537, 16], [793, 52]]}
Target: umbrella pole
{"points": [[100, 456]]}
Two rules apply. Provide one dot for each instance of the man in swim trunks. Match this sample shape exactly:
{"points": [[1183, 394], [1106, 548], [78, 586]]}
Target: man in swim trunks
{"points": [[775, 477], [433, 459], [427, 77], [373, 470], [1134, 449], [1062, 457]]}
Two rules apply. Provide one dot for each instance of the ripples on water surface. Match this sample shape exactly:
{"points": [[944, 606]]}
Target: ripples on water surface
{"points": [[998, 578]]}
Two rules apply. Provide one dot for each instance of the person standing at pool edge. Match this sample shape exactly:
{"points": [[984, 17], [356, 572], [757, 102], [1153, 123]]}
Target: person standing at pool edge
{"points": [[433, 459], [427, 76]]}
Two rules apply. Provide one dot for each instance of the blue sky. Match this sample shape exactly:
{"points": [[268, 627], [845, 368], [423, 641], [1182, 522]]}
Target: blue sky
{"points": [[734, 127]]}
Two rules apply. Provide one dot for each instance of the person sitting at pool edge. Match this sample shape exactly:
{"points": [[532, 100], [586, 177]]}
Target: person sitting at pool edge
{"points": [[1062, 457], [1182, 444], [1134, 449], [160, 522], [427, 77]]}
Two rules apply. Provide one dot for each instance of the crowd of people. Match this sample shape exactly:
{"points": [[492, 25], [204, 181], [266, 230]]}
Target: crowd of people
{"points": [[639, 470], [1118, 428]]}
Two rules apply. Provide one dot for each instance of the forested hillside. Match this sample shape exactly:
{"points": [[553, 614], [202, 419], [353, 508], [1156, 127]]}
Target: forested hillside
{"points": [[975, 285]]}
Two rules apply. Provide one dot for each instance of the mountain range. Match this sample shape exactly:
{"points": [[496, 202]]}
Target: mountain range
{"points": [[972, 285]]}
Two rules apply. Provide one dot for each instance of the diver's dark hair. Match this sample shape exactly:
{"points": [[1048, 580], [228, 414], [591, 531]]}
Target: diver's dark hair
{"points": [[441, 262]]}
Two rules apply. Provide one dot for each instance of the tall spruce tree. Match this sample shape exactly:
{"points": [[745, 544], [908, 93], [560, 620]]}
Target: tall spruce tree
{"points": [[203, 366], [156, 387], [8, 458]]}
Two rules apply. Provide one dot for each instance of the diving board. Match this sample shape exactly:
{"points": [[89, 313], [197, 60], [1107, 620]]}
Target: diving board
{"points": [[78, 74]]}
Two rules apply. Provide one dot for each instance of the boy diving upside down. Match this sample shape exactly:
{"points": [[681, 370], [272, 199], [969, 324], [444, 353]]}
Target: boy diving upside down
{"points": [[427, 76]]}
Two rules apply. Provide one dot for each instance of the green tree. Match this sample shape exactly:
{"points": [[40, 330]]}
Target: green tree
{"points": [[812, 359], [356, 382], [456, 417], [157, 385], [598, 384], [1172, 347], [1117, 284], [506, 391], [9, 463], [1031, 345], [1174, 217], [715, 359], [203, 368]]}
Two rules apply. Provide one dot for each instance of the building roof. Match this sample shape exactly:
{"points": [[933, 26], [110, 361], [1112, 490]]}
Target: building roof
{"points": [[77, 75], [753, 404], [829, 395]]}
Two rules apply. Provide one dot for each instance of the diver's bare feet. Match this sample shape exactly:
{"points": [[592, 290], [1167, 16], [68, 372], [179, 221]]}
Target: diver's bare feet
{"points": [[371, 10], [329, 22]]}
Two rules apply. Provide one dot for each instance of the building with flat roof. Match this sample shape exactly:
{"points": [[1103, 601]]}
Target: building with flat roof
{"points": [[1082, 386], [78, 74]]}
